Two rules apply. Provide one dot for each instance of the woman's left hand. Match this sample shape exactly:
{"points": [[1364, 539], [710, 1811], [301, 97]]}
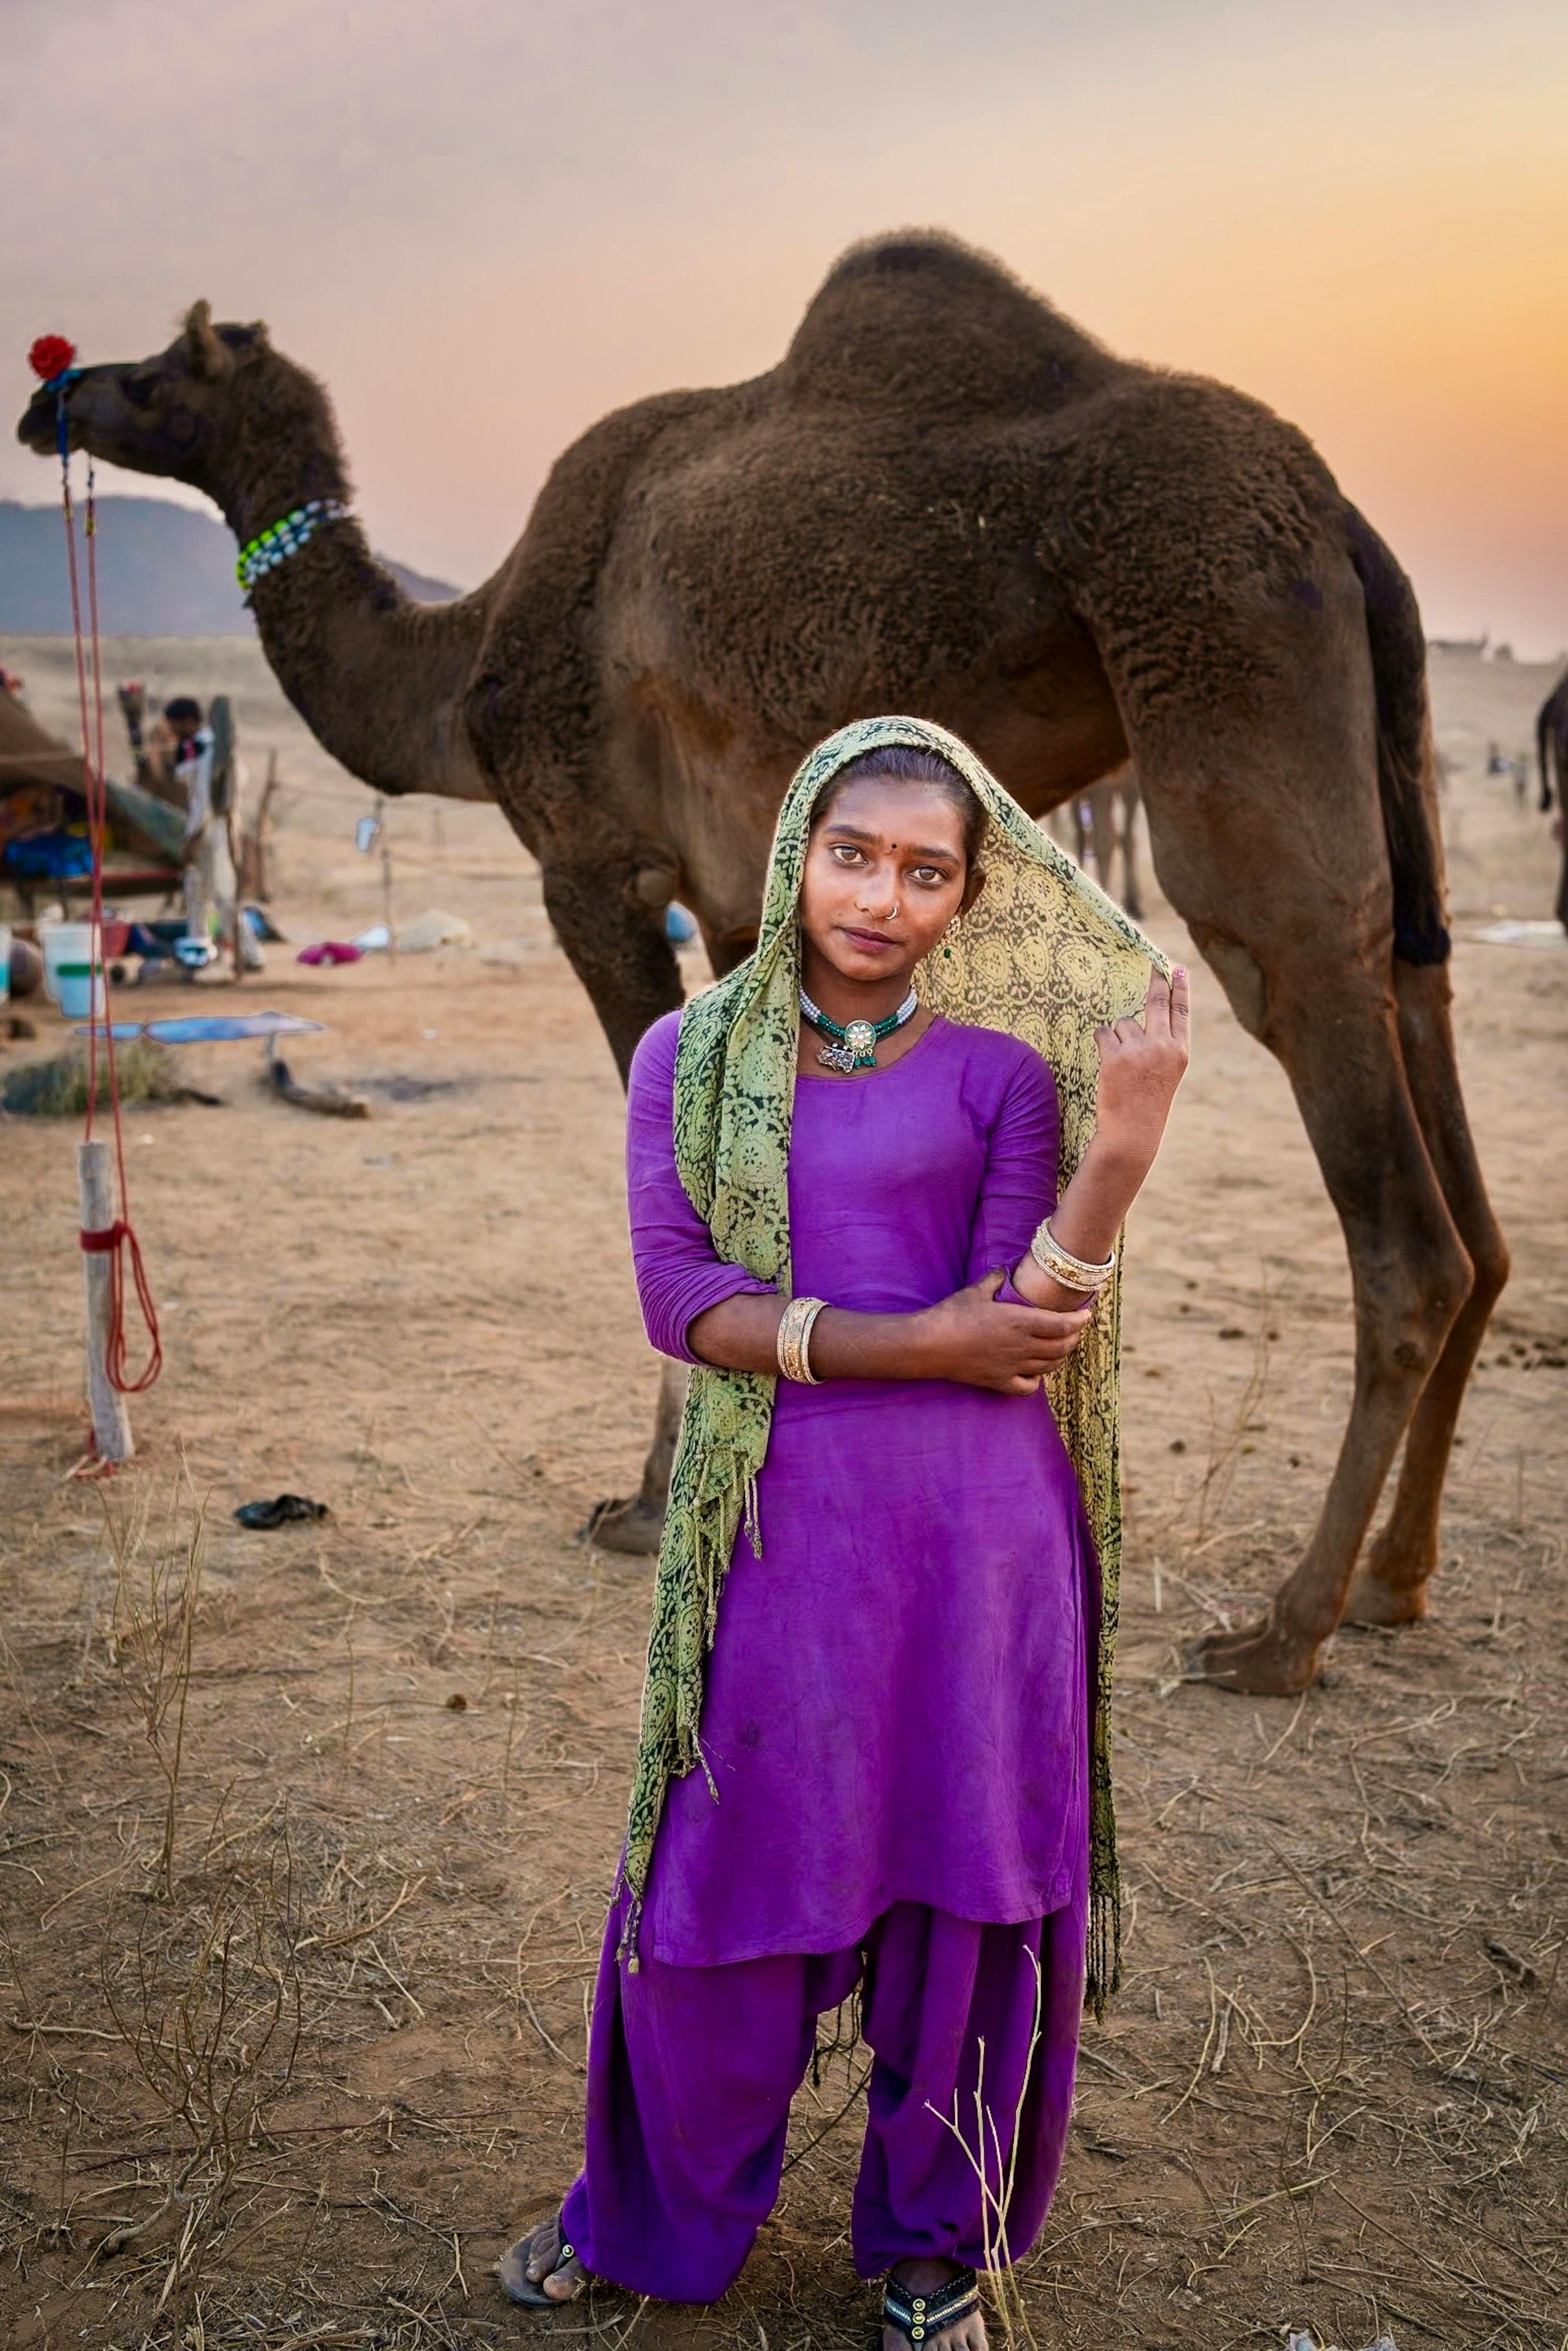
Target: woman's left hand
{"points": [[1142, 1063]]}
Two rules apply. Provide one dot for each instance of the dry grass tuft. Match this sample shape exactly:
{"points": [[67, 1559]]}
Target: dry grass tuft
{"points": [[57, 1088]]}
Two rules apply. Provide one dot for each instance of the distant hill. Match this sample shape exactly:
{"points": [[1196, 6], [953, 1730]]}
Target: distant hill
{"points": [[163, 570]]}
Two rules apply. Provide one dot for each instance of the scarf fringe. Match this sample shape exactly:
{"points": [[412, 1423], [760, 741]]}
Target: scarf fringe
{"points": [[1103, 1970], [1103, 1976], [699, 1536]]}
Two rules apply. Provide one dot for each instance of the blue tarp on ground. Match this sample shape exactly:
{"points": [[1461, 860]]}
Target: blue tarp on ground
{"points": [[210, 1028]]}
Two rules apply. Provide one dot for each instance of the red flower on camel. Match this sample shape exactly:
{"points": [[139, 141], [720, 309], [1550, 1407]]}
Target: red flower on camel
{"points": [[50, 356]]}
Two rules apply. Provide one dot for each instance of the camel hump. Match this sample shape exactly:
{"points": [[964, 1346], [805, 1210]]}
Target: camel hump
{"points": [[919, 321]]}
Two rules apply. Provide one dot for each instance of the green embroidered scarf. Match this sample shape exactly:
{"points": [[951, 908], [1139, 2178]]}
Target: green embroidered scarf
{"points": [[1043, 954]]}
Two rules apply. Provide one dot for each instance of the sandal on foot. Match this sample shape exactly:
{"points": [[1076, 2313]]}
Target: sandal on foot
{"points": [[512, 2270], [920, 2317]]}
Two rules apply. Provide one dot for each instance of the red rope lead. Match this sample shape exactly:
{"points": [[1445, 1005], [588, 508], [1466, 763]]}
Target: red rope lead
{"points": [[112, 1241], [115, 1239]]}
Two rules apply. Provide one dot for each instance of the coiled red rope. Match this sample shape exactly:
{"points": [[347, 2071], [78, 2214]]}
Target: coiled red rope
{"points": [[116, 1241], [52, 357]]}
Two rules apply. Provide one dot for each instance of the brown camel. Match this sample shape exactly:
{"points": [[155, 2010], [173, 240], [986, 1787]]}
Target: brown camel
{"points": [[1552, 748], [948, 500]]}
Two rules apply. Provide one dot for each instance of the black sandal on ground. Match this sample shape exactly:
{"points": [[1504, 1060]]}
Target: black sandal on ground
{"points": [[512, 2270], [920, 2317]]}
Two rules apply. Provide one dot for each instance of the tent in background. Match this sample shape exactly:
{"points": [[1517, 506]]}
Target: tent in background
{"points": [[44, 849]]}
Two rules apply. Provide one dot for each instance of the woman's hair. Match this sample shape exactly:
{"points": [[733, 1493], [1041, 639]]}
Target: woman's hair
{"points": [[905, 763]]}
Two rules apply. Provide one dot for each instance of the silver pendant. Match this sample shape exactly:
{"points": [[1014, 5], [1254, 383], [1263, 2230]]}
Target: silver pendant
{"points": [[837, 1057], [860, 1039]]}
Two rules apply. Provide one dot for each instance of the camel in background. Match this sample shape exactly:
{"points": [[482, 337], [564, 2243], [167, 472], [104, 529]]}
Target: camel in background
{"points": [[1552, 748], [947, 499], [1100, 820]]}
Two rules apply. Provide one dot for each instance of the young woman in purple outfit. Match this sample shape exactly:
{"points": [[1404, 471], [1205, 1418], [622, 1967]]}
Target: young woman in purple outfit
{"points": [[896, 1710]]}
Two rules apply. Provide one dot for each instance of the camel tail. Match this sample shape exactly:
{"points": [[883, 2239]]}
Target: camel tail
{"points": [[1405, 783], [1545, 745]]}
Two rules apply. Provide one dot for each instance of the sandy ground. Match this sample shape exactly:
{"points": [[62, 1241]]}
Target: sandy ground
{"points": [[303, 1871]]}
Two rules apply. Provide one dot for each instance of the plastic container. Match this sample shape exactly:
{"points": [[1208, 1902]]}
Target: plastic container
{"points": [[71, 979], [80, 991], [63, 942]]}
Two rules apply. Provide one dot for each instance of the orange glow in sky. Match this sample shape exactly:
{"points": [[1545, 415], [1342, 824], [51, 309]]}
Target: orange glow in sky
{"points": [[486, 222]]}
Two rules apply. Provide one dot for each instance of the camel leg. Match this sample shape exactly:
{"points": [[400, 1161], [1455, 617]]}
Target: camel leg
{"points": [[615, 944], [1132, 896], [1390, 1586], [1333, 1025], [1105, 799], [1272, 851], [618, 949], [635, 1525]]}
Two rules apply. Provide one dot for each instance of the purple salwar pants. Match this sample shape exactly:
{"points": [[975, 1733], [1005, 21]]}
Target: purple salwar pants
{"points": [[691, 2072]]}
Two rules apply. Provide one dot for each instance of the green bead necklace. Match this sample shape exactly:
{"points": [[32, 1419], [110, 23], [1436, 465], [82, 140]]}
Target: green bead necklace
{"points": [[853, 1046]]}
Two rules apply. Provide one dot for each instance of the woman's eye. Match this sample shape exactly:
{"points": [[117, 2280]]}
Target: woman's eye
{"points": [[845, 851]]}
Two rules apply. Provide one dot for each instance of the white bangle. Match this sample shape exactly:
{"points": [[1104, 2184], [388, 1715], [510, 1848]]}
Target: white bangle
{"points": [[1071, 1272], [795, 1339]]}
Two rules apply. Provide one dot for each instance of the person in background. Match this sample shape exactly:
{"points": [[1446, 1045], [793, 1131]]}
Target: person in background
{"points": [[207, 770]]}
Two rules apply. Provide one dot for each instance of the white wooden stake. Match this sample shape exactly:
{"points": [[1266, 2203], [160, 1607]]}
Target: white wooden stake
{"points": [[110, 1420]]}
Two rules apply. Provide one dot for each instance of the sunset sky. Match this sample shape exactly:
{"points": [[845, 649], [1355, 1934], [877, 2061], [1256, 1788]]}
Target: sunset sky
{"points": [[485, 221]]}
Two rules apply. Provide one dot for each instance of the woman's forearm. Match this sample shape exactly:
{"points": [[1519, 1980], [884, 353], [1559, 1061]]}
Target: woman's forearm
{"points": [[969, 1337], [1086, 1220], [1141, 1066], [741, 1334]]}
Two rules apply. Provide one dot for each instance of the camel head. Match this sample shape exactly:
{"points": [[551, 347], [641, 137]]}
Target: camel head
{"points": [[220, 409]]}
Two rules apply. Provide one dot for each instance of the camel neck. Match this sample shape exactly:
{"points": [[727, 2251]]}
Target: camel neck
{"points": [[310, 472], [380, 681]]}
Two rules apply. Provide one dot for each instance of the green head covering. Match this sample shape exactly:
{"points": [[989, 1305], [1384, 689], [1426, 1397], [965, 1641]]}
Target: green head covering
{"points": [[1043, 954]]}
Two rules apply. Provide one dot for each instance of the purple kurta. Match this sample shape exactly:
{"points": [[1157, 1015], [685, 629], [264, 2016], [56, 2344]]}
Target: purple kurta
{"points": [[896, 1703]]}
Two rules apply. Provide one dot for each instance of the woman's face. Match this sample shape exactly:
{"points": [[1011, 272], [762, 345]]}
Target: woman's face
{"points": [[885, 873]]}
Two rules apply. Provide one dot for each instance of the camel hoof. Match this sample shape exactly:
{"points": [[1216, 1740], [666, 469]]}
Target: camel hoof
{"points": [[1370, 1601], [1259, 1661], [633, 1527]]}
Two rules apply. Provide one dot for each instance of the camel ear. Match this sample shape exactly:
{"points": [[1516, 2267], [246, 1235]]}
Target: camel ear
{"points": [[206, 354]]}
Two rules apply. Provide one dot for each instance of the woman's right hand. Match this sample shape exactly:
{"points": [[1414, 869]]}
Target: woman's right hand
{"points": [[969, 1337]]}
